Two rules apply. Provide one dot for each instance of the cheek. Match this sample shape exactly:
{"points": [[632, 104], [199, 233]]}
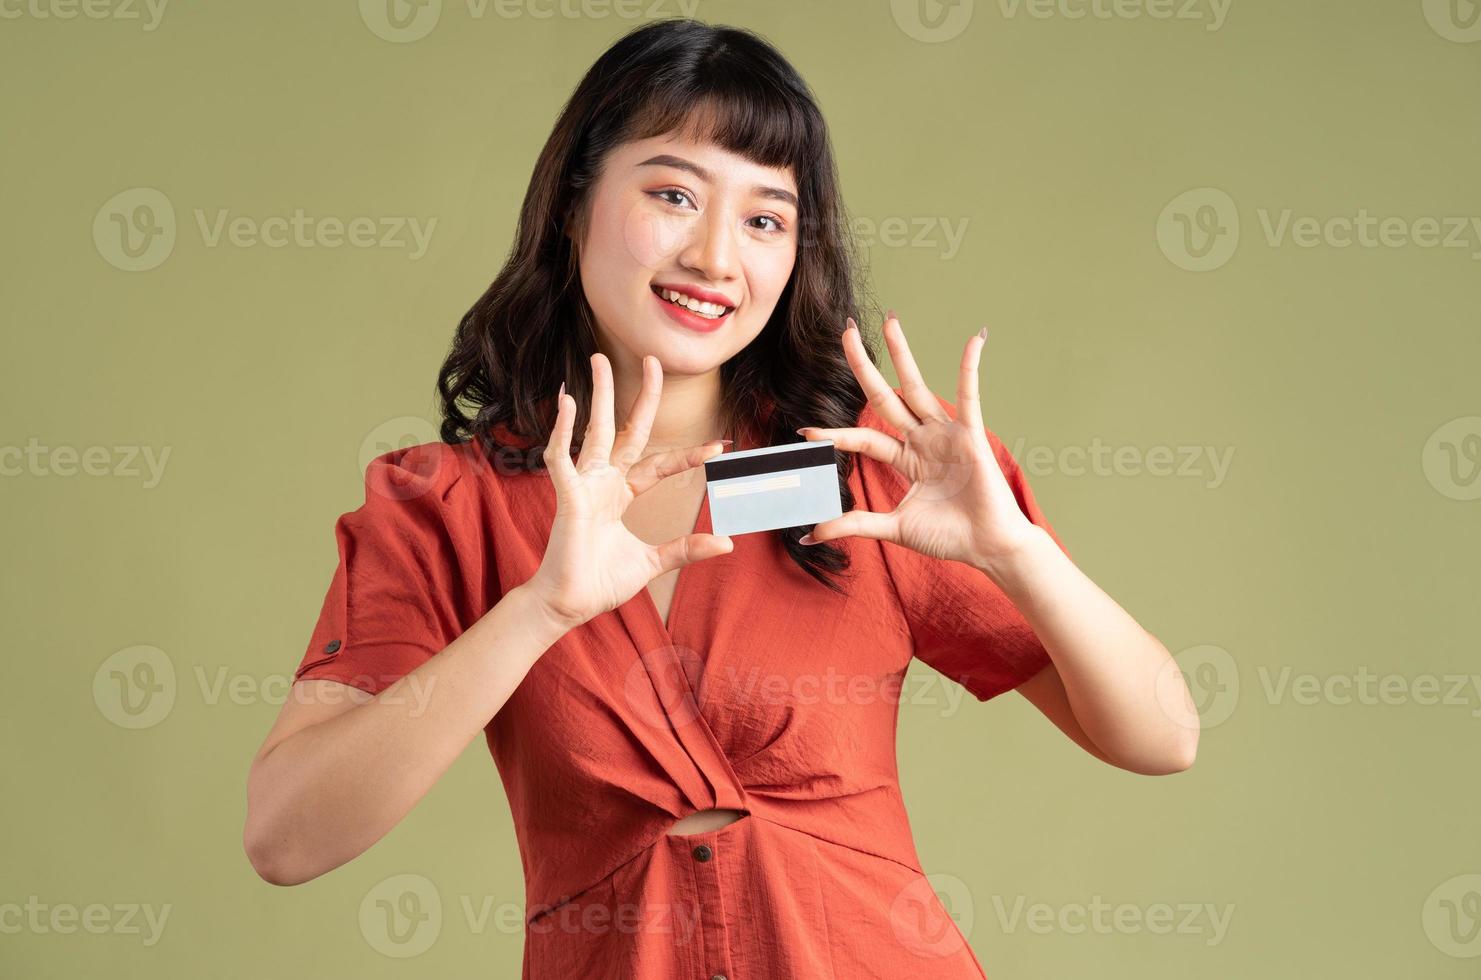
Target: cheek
{"points": [[768, 272], [650, 239]]}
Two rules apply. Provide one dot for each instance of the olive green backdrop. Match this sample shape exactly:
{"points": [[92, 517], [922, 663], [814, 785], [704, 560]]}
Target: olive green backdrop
{"points": [[1230, 255]]}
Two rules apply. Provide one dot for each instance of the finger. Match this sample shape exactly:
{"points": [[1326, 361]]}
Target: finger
{"points": [[633, 438], [857, 523], [557, 453], [596, 447], [918, 396], [871, 442], [968, 406], [690, 548], [650, 469], [881, 395]]}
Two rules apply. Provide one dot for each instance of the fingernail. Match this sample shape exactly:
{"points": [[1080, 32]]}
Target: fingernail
{"points": [[982, 333], [562, 391], [726, 442], [889, 314], [849, 324], [802, 431], [807, 539]]}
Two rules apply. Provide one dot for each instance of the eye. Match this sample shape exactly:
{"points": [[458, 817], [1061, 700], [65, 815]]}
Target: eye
{"points": [[778, 226], [670, 190]]}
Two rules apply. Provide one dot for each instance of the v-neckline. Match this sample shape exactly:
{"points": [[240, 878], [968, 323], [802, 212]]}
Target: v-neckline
{"points": [[701, 526]]}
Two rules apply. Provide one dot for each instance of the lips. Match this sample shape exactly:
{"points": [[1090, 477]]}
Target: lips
{"points": [[688, 318], [703, 302], [696, 292]]}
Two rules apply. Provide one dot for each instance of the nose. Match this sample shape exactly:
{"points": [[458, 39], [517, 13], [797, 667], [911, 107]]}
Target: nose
{"points": [[712, 250]]}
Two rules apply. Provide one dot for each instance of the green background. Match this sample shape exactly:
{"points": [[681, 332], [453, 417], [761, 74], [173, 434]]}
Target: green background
{"points": [[1335, 834]]}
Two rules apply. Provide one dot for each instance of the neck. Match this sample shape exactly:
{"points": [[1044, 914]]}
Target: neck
{"points": [[688, 411]]}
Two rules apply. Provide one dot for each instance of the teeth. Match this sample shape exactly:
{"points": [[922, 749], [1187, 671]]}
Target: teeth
{"points": [[711, 310]]}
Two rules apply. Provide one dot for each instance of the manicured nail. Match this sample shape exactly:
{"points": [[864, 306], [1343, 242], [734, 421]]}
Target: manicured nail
{"points": [[726, 442], [562, 391], [803, 431], [849, 324], [982, 333], [889, 314], [807, 539]]}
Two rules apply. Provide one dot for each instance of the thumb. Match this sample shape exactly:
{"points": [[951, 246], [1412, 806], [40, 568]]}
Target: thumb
{"points": [[690, 548], [858, 523]]}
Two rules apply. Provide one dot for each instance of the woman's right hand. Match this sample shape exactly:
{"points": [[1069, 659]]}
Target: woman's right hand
{"points": [[593, 563]]}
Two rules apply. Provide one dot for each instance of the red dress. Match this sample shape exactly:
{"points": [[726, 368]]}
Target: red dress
{"points": [[766, 692]]}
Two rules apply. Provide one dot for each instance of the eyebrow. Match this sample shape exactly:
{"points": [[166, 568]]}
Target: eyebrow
{"points": [[679, 163]]}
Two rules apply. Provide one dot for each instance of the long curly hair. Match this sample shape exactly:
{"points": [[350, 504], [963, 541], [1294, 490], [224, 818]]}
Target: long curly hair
{"points": [[533, 328]]}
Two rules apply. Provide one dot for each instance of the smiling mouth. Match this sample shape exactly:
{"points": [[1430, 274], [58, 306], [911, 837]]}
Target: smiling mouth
{"points": [[710, 311]]}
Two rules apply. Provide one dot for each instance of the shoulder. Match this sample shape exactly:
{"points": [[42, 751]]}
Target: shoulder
{"points": [[415, 475], [433, 486]]}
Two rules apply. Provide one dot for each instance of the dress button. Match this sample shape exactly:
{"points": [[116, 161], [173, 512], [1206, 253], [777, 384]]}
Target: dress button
{"points": [[703, 853], [332, 646], [718, 976]]}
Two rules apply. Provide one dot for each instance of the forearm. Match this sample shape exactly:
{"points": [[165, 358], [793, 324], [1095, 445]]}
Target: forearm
{"points": [[328, 792], [1122, 684]]}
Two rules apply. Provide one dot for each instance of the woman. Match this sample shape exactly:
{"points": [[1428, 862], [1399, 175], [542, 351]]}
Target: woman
{"points": [[695, 732]]}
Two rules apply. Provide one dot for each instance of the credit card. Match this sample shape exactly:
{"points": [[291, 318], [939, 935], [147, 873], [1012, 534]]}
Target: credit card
{"points": [[771, 487]]}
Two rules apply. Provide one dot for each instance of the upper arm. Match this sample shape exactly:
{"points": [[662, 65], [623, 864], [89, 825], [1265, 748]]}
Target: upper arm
{"points": [[310, 701], [961, 623], [1045, 691]]}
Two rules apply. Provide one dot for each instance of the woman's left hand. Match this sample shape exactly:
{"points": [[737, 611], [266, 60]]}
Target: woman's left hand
{"points": [[959, 505]]}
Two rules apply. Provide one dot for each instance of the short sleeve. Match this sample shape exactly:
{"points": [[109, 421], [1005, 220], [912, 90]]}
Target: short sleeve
{"points": [[961, 623], [392, 601]]}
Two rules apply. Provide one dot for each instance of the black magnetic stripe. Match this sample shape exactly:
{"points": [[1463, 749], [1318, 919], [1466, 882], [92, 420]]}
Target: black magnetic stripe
{"points": [[792, 459]]}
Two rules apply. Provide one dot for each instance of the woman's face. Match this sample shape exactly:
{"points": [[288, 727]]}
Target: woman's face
{"points": [[670, 215]]}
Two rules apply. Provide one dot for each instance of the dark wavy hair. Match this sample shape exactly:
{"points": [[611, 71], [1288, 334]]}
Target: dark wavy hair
{"points": [[533, 328]]}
